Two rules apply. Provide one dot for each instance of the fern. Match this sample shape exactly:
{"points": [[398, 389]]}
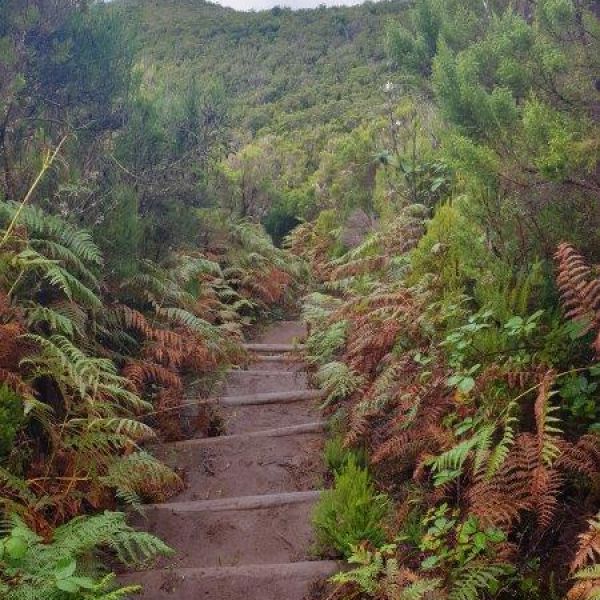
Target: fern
{"points": [[419, 590], [588, 550], [471, 582], [501, 451], [43, 570], [338, 380], [196, 324], [140, 476], [448, 466], [322, 346], [56, 321]]}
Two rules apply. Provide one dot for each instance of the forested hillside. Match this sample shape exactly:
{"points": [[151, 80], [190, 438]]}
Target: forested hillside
{"points": [[430, 170], [298, 92]]}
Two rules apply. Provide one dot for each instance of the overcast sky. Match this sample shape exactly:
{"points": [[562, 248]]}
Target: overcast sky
{"points": [[263, 4]]}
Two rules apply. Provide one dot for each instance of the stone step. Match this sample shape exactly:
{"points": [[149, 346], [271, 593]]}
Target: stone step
{"points": [[281, 581], [235, 531], [285, 459], [257, 381], [252, 419], [273, 348]]}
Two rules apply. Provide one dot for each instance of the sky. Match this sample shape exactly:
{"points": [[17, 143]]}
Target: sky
{"points": [[265, 4]]}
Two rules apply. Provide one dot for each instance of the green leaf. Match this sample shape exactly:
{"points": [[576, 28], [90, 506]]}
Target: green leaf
{"points": [[430, 563], [65, 568], [466, 385], [87, 583], [480, 540], [16, 547], [67, 585]]}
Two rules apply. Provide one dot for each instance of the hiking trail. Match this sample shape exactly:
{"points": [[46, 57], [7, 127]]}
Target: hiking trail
{"points": [[242, 527]]}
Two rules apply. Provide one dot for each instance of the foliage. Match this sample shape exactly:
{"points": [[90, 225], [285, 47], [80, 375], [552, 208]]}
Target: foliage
{"points": [[66, 566], [351, 512], [337, 456]]}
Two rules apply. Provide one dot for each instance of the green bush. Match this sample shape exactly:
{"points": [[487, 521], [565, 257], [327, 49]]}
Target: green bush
{"points": [[11, 418], [351, 512], [337, 456]]}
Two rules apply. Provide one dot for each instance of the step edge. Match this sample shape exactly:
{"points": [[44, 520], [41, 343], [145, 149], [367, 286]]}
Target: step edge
{"points": [[262, 372], [253, 347], [271, 397], [276, 358], [237, 503], [301, 428], [286, 569]]}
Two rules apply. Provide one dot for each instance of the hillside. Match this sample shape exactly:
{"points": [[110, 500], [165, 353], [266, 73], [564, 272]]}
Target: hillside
{"points": [[281, 70], [431, 177], [292, 92]]}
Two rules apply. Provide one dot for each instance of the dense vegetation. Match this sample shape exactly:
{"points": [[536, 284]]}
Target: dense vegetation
{"points": [[303, 91], [458, 341], [444, 155], [115, 285]]}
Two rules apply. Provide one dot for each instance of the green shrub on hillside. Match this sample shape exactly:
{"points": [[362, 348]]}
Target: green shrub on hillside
{"points": [[351, 512], [337, 456]]}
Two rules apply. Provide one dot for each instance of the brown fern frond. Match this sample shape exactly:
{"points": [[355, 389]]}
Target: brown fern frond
{"points": [[359, 267], [168, 413], [143, 373], [16, 383], [583, 457], [133, 319], [579, 287], [588, 550]]}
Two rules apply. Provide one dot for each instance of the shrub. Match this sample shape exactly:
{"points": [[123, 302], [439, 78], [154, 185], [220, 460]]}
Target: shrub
{"points": [[11, 418], [337, 455], [351, 512]]}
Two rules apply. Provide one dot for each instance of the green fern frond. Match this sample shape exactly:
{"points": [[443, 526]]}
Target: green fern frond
{"points": [[186, 318], [323, 345], [472, 581], [136, 430], [591, 572], [338, 380], [192, 266], [84, 534], [40, 224], [420, 589], [448, 465], [501, 451], [66, 257], [55, 321], [140, 475]]}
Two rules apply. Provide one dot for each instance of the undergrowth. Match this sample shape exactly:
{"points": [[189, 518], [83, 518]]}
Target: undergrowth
{"points": [[478, 413], [351, 512]]}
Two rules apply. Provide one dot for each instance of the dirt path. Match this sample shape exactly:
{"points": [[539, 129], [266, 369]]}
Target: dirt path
{"points": [[242, 528]]}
